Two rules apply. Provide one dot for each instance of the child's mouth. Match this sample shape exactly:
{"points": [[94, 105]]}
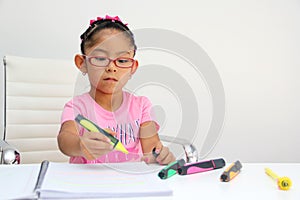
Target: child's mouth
{"points": [[110, 79]]}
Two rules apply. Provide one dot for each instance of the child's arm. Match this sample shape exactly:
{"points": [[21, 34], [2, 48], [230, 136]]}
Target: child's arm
{"points": [[90, 145], [149, 140]]}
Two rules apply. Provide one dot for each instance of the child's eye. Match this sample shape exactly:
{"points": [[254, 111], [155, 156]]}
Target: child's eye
{"points": [[100, 58], [123, 60]]}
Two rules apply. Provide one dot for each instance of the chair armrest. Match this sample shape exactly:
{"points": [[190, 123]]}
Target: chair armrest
{"points": [[9, 154], [191, 153]]}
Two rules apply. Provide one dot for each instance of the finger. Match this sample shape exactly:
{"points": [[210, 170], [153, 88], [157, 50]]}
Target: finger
{"points": [[100, 145], [168, 159], [87, 154], [91, 141], [95, 149], [110, 131], [148, 158], [145, 159], [163, 155], [97, 136]]}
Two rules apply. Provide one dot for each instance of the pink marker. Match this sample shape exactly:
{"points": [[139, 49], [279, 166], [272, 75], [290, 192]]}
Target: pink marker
{"points": [[203, 166]]}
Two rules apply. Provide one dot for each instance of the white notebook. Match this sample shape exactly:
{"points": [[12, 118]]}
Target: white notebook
{"points": [[131, 179]]}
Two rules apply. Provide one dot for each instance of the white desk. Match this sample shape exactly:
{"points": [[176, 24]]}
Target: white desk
{"points": [[251, 183]]}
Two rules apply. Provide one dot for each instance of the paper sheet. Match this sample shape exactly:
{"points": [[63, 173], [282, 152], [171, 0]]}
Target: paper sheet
{"points": [[102, 180]]}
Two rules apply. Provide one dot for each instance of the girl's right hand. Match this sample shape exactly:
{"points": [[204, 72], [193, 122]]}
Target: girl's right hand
{"points": [[93, 145]]}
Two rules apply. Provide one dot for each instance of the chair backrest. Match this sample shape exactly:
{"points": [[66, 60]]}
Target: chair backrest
{"points": [[35, 93]]}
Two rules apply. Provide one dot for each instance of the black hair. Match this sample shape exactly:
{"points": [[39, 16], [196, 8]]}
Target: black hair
{"points": [[87, 39]]}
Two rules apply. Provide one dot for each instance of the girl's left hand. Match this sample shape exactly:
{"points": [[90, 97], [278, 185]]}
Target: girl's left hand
{"points": [[165, 156]]}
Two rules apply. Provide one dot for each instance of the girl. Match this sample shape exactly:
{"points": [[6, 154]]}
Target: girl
{"points": [[108, 50]]}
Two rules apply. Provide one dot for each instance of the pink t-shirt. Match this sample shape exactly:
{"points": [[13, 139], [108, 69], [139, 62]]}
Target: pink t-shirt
{"points": [[125, 121]]}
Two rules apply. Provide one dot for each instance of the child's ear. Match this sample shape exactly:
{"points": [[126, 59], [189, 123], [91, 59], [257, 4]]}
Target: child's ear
{"points": [[135, 66], [80, 64]]}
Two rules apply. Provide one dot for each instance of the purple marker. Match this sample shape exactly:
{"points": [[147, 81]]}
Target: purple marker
{"points": [[203, 166]]}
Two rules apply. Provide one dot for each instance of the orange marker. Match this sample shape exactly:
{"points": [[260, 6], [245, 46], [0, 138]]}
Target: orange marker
{"points": [[232, 171]]}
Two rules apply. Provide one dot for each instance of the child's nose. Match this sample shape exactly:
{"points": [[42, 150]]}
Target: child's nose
{"points": [[111, 67]]}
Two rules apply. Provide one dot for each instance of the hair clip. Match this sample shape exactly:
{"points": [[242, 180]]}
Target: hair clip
{"points": [[113, 19], [92, 21]]}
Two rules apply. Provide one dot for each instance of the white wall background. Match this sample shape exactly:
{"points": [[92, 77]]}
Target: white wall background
{"points": [[255, 46]]}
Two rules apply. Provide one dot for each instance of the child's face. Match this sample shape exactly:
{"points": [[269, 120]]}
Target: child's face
{"points": [[110, 79]]}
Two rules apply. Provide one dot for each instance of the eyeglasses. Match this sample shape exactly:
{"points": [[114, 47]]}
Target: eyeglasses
{"points": [[101, 61]]}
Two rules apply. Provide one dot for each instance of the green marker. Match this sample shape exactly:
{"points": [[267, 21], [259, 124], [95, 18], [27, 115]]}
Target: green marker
{"points": [[171, 169], [90, 126]]}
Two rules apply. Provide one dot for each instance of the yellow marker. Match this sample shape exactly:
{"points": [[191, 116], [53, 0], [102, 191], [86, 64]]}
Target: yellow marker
{"points": [[284, 183], [90, 126]]}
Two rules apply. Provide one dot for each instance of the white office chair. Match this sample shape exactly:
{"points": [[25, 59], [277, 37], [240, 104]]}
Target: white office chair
{"points": [[35, 93]]}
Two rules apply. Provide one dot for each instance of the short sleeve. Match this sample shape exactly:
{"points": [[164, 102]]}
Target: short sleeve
{"points": [[68, 112], [71, 110], [148, 112]]}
